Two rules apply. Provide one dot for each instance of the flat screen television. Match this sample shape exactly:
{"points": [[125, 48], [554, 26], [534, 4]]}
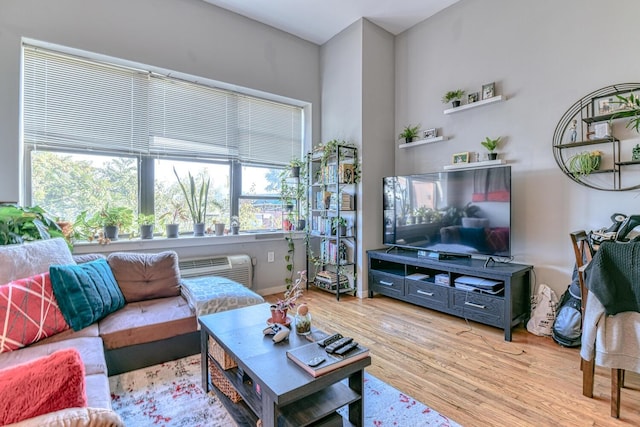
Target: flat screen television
{"points": [[455, 212]]}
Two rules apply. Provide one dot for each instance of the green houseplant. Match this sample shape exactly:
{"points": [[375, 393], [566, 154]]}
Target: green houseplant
{"points": [[491, 145], [196, 197], [171, 219], [20, 224], [453, 96], [631, 104], [114, 219], [146, 223], [409, 133], [584, 163]]}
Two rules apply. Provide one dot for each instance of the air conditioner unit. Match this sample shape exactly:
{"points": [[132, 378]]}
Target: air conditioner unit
{"points": [[234, 267]]}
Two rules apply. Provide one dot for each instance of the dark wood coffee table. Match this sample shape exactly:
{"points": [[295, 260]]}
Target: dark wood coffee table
{"points": [[277, 390]]}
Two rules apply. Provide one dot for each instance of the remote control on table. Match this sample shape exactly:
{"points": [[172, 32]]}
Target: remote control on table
{"points": [[316, 361], [346, 348], [331, 348], [328, 340]]}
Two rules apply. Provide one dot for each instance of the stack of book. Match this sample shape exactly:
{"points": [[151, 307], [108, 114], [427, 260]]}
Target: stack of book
{"points": [[329, 280]]}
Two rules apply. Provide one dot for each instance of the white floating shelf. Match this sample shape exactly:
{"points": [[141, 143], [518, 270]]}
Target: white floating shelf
{"points": [[422, 142], [488, 101], [475, 164]]}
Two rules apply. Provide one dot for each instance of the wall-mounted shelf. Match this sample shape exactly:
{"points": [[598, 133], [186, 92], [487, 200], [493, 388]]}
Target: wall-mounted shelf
{"points": [[422, 142], [475, 164], [493, 100]]}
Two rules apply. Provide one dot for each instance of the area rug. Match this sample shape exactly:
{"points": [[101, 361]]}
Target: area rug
{"points": [[169, 394]]}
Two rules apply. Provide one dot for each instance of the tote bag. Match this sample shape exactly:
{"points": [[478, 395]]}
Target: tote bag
{"points": [[543, 311]]}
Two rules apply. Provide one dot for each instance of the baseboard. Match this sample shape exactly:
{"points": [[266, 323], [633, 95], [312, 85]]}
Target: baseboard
{"points": [[139, 356]]}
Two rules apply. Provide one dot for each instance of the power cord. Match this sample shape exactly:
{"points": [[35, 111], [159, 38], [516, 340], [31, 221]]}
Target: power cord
{"points": [[470, 331]]}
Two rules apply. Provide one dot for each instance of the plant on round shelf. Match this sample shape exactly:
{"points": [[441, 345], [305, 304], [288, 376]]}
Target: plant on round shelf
{"points": [[584, 163], [409, 133], [453, 96], [491, 145], [631, 105]]}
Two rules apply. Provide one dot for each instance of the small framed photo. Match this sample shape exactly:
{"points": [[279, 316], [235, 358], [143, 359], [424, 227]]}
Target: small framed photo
{"points": [[472, 97], [488, 90], [460, 158], [608, 105], [430, 133]]}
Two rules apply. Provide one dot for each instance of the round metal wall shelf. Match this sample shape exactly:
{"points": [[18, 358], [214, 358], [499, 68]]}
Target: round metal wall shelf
{"points": [[588, 112]]}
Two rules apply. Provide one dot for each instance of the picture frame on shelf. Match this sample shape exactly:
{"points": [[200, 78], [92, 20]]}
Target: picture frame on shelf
{"points": [[472, 97], [488, 90], [608, 104], [460, 158], [430, 133]]}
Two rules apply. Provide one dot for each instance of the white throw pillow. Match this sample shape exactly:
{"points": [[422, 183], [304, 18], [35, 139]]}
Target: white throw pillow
{"points": [[29, 259]]}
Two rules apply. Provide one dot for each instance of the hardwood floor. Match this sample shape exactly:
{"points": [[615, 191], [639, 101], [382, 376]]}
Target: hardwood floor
{"points": [[467, 371]]}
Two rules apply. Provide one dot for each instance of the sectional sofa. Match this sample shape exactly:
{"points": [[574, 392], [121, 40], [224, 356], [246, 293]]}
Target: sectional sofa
{"points": [[143, 320]]}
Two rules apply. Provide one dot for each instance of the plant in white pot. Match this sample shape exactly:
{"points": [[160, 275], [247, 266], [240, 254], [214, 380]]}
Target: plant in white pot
{"points": [[196, 197]]}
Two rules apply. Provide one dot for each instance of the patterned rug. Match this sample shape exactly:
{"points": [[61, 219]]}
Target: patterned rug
{"points": [[169, 394]]}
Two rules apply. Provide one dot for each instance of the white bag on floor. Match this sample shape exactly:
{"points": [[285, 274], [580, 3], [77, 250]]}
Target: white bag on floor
{"points": [[543, 311]]}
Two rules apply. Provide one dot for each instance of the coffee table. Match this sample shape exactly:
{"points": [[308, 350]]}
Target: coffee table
{"points": [[277, 390]]}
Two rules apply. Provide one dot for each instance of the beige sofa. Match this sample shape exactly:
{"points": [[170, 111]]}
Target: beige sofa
{"points": [[156, 324]]}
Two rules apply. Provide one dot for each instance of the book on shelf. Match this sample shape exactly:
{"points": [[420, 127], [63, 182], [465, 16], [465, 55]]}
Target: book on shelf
{"points": [[418, 276], [302, 355]]}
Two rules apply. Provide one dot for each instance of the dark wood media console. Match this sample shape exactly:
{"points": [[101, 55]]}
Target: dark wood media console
{"points": [[389, 272]]}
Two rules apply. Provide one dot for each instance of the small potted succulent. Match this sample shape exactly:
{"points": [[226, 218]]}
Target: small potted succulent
{"points": [[409, 133], [235, 224], [453, 96], [491, 145]]}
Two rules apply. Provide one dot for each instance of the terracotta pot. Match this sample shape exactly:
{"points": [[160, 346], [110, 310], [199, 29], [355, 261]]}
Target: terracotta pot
{"points": [[279, 316]]}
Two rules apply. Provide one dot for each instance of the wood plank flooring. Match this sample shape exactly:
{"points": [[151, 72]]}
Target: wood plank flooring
{"points": [[467, 371]]}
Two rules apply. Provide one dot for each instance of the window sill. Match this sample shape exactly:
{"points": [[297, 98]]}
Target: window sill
{"points": [[162, 243]]}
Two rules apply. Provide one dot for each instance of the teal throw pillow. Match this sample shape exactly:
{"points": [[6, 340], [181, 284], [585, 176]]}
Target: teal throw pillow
{"points": [[85, 292]]}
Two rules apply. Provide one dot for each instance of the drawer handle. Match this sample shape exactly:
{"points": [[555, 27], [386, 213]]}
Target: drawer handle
{"points": [[429, 294], [475, 305], [382, 282]]}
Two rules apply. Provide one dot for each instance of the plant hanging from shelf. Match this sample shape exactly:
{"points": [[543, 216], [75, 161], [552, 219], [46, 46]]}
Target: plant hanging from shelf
{"points": [[584, 163]]}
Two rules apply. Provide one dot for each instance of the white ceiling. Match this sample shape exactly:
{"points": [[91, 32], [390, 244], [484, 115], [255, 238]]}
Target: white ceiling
{"points": [[319, 20]]}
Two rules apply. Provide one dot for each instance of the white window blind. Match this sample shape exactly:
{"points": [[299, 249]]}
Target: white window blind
{"points": [[77, 103]]}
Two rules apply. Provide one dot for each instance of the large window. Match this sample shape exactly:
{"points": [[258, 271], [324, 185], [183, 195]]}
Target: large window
{"points": [[96, 133]]}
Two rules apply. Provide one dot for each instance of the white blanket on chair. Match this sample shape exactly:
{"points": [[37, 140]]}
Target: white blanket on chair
{"points": [[614, 340]]}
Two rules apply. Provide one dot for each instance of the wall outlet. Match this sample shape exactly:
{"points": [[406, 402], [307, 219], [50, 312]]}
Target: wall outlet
{"points": [[270, 256]]}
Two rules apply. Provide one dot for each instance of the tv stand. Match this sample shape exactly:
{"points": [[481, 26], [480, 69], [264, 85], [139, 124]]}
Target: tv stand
{"points": [[405, 276]]}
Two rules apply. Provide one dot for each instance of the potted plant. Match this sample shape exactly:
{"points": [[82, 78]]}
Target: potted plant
{"points": [[20, 224], [235, 224], [114, 219], [409, 133], [197, 197], [453, 96], [584, 163], [295, 167], [146, 222], [339, 224], [631, 105], [291, 295], [171, 219], [491, 145]]}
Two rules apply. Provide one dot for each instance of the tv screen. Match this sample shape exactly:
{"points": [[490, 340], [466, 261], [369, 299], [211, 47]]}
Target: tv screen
{"points": [[464, 211]]}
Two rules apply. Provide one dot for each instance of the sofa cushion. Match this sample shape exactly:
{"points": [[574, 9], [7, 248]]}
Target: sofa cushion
{"points": [[86, 292], [74, 417], [28, 312], [44, 385], [20, 261], [147, 321], [90, 331], [91, 350], [146, 276]]}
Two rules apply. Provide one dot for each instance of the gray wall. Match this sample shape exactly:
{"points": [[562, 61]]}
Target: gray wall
{"points": [[188, 36], [544, 55]]}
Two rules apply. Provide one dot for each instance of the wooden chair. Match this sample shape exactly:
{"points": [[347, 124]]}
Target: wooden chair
{"points": [[584, 253]]}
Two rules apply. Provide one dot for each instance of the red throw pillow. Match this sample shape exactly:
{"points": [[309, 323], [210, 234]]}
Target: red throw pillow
{"points": [[28, 312], [44, 385]]}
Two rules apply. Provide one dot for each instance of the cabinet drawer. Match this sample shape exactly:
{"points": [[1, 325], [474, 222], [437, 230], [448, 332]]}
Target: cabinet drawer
{"points": [[485, 309], [387, 284], [428, 294]]}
